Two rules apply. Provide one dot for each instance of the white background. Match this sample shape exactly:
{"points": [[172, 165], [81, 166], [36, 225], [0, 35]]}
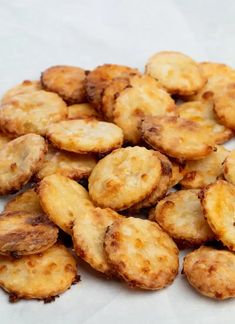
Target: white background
{"points": [[35, 34]]}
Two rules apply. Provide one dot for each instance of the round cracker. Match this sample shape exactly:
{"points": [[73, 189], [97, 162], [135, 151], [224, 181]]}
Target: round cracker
{"points": [[62, 199], [202, 113], [124, 177], [19, 160], [101, 76], [180, 215], [177, 137], [229, 167], [39, 276], [71, 165], [177, 72], [224, 106], [211, 272], [177, 174], [88, 236], [85, 135], [67, 81], [142, 98], [141, 253], [24, 233], [81, 111], [218, 201], [26, 86], [210, 69], [31, 112]]}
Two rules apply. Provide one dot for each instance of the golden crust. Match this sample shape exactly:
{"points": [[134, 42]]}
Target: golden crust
{"points": [[200, 173], [224, 106], [24, 87], [24, 233], [88, 236], [177, 137], [38, 276], [178, 171], [98, 79], [202, 113], [177, 72], [211, 272], [4, 139], [209, 69], [71, 165], [31, 112], [141, 253], [114, 180], [62, 199], [19, 160], [229, 167], [141, 98], [181, 216], [85, 135], [218, 202], [67, 81], [81, 111]]}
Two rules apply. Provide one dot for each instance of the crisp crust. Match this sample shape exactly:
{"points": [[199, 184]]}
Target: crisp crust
{"points": [[224, 105], [31, 112], [62, 199], [26, 86], [24, 233], [4, 139], [19, 160], [114, 179], [26, 201], [218, 202], [177, 137], [141, 253], [88, 236], [85, 135], [143, 97], [181, 216], [38, 276], [209, 69], [211, 272], [98, 79], [229, 167], [200, 173], [71, 165], [202, 113], [177, 72], [81, 111], [67, 81], [178, 171]]}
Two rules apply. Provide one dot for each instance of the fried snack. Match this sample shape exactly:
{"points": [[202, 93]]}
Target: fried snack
{"points": [[211, 272], [81, 111], [141, 253], [142, 98], [4, 139], [178, 171], [24, 87], [85, 136], [124, 177], [224, 105], [67, 81], [218, 202], [177, 137], [24, 233], [180, 215], [200, 173], [98, 79], [71, 165], [27, 201], [177, 72], [229, 167], [19, 160], [209, 69], [62, 199], [31, 112], [202, 113], [39, 276], [88, 236]]}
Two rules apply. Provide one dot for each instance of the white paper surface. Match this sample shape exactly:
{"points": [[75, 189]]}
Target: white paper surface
{"points": [[36, 34]]}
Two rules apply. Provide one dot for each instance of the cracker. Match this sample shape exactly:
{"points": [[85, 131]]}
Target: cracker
{"points": [[143, 97], [26, 86], [177, 137], [19, 160], [211, 272], [124, 177], [218, 201], [178, 171], [83, 110], [177, 72], [4, 139], [180, 215], [210, 69], [39, 276], [31, 112], [224, 105], [229, 167], [72, 165], [24, 233], [141, 253]]}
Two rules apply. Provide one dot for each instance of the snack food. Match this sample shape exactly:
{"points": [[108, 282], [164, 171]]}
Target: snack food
{"points": [[26, 86], [82, 110], [229, 167], [224, 105]]}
